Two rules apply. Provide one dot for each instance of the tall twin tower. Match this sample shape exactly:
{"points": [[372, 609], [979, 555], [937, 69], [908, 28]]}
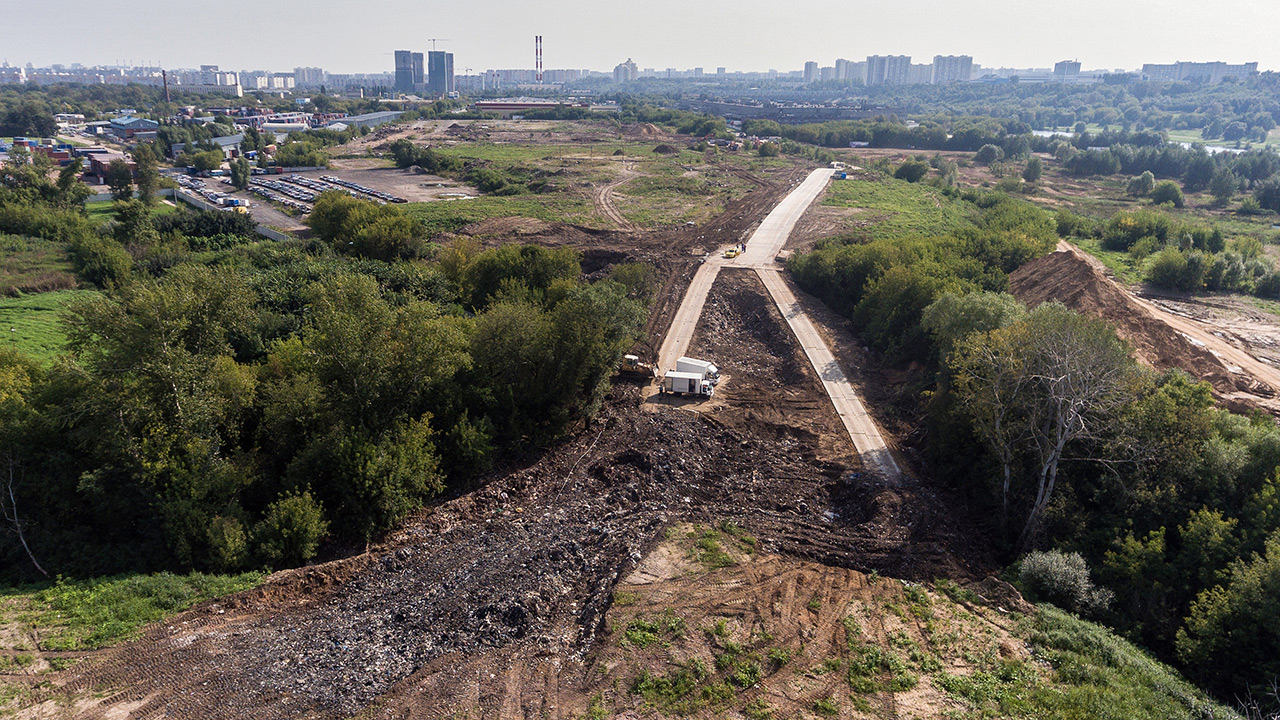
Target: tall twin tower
{"points": [[437, 80]]}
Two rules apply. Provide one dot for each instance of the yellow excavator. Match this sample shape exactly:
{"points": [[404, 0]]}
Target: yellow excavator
{"points": [[633, 367]]}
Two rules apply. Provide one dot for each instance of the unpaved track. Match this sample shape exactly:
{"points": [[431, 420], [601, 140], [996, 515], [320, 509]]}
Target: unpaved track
{"points": [[1236, 359], [604, 200]]}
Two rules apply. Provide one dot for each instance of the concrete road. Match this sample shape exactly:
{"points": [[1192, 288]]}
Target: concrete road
{"points": [[762, 250], [676, 343], [763, 245], [767, 241], [862, 429]]}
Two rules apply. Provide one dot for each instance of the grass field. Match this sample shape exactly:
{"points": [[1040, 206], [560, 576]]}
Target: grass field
{"points": [[32, 324], [33, 265], [90, 614], [105, 210], [897, 208], [452, 215]]}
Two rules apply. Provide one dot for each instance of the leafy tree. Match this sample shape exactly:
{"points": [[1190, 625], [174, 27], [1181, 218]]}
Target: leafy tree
{"points": [[1034, 388], [1199, 173], [1142, 185], [28, 118], [120, 180], [1034, 169], [1223, 185], [207, 161], [72, 193], [988, 154], [1267, 195], [1167, 192], [1231, 640], [240, 173], [952, 317], [768, 149], [148, 177]]}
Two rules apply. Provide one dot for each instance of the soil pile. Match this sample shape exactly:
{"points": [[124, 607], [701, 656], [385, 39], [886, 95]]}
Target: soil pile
{"points": [[665, 149], [1068, 277]]}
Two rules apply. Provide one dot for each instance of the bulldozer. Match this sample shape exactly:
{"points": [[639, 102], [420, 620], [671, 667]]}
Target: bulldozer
{"points": [[632, 367]]}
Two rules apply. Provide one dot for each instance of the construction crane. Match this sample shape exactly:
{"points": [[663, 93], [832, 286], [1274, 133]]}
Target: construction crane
{"points": [[433, 41]]}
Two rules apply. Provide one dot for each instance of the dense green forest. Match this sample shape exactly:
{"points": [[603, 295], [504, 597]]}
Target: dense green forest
{"points": [[227, 403], [1046, 422]]}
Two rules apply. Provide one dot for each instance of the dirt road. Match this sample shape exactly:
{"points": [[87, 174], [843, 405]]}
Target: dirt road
{"points": [[1208, 337], [604, 200]]}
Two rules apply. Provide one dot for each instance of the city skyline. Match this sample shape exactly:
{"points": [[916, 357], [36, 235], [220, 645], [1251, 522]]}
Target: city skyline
{"points": [[590, 36]]}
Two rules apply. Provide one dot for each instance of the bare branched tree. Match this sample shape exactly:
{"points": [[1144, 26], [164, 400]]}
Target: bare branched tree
{"points": [[1037, 386]]}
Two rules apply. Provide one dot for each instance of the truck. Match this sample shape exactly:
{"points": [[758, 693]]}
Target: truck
{"points": [[683, 383], [705, 370], [632, 366]]}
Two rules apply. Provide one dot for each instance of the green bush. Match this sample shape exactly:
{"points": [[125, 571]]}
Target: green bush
{"points": [[1062, 579], [1167, 192], [912, 170], [291, 530]]}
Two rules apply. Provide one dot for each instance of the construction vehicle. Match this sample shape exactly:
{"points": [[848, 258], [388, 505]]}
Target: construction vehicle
{"points": [[703, 369], [632, 366], [683, 383]]}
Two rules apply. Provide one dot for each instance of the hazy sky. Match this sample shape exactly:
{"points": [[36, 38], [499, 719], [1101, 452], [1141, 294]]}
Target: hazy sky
{"points": [[348, 36]]}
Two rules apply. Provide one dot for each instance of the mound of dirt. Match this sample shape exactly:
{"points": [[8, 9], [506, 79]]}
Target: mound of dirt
{"points": [[665, 149], [1068, 277]]}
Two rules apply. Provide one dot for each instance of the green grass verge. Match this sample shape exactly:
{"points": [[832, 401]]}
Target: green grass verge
{"points": [[32, 324], [90, 614], [897, 208], [1121, 264], [1094, 674]]}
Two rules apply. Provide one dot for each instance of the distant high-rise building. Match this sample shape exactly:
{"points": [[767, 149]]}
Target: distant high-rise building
{"points": [[810, 72], [440, 73], [720, 72], [949, 69], [1066, 69], [625, 72], [697, 72], [308, 76], [919, 74], [888, 69], [826, 73], [1206, 72], [404, 71]]}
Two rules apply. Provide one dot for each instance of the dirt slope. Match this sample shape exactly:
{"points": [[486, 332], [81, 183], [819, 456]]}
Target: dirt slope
{"points": [[1160, 339]]}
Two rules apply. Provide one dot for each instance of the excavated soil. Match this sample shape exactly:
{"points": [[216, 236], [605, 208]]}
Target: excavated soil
{"points": [[1070, 278], [797, 622]]}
